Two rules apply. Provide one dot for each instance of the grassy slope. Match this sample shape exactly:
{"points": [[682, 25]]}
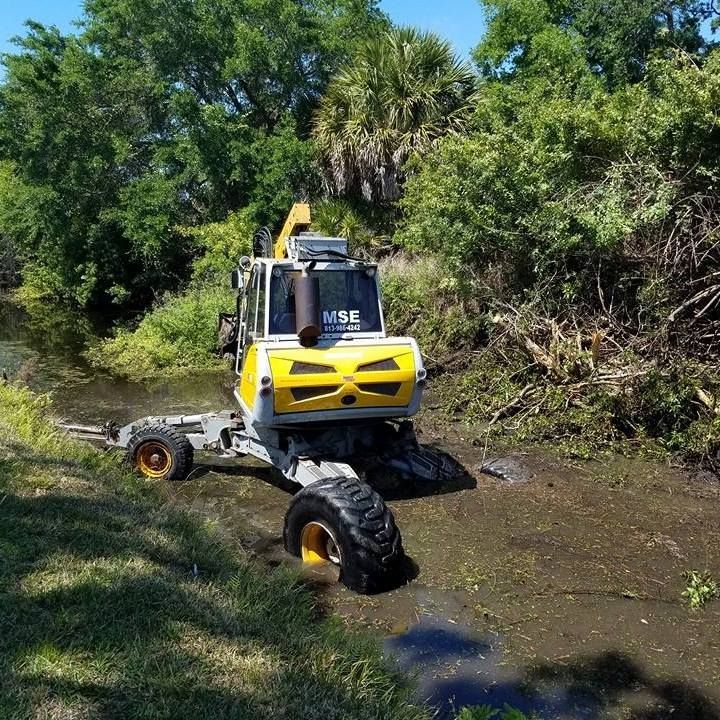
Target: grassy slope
{"points": [[102, 618]]}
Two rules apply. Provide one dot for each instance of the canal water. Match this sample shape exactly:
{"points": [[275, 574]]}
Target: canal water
{"points": [[46, 352]]}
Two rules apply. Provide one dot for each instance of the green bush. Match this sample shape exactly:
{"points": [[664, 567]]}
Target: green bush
{"points": [[658, 404], [564, 188], [487, 712], [178, 336], [701, 588], [422, 299], [221, 244]]}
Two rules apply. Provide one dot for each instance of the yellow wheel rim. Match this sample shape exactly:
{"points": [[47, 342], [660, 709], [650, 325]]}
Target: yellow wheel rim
{"points": [[154, 460], [318, 545]]}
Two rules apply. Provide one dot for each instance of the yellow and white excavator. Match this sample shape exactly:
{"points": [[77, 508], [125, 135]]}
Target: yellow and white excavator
{"points": [[323, 395]]}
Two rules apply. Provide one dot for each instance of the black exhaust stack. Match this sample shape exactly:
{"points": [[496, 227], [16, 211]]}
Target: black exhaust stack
{"points": [[307, 307]]}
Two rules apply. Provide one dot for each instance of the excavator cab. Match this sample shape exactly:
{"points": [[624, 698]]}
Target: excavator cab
{"points": [[311, 342], [286, 301], [348, 301]]}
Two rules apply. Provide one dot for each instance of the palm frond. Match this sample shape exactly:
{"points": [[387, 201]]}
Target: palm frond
{"points": [[404, 90]]}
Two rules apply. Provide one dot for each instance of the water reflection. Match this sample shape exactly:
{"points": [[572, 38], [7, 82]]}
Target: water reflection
{"points": [[45, 351]]}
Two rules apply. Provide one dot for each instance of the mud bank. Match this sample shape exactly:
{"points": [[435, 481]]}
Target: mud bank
{"points": [[559, 594]]}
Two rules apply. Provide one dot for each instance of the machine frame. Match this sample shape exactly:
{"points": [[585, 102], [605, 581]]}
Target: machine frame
{"points": [[358, 422]]}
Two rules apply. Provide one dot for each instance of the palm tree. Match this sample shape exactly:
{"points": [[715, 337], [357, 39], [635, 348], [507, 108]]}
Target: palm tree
{"points": [[403, 91]]}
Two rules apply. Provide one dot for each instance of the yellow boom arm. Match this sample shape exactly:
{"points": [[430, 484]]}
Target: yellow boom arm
{"points": [[297, 221]]}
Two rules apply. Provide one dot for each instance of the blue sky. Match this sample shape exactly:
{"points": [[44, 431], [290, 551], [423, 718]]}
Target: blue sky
{"points": [[50, 12], [461, 21]]}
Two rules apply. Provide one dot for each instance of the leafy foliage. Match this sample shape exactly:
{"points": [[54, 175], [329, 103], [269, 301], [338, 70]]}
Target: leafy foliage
{"points": [[701, 588], [487, 712], [399, 94], [179, 334], [615, 38], [435, 308], [338, 218], [221, 245], [158, 116], [562, 188], [176, 337]]}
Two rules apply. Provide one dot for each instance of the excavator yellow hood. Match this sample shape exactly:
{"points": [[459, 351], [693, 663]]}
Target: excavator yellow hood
{"points": [[308, 380], [351, 380]]}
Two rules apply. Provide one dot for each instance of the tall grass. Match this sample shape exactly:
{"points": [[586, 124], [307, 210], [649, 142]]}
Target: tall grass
{"points": [[422, 299]]}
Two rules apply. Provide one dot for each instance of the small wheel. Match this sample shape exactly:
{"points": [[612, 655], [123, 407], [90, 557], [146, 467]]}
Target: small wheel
{"points": [[161, 453], [343, 521]]}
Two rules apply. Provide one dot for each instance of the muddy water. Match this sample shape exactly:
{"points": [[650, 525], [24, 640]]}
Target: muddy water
{"points": [[560, 595], [46, 352]]}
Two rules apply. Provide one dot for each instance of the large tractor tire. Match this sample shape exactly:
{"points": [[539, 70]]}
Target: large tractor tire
{"points": [[160, 452], [344, 521]]}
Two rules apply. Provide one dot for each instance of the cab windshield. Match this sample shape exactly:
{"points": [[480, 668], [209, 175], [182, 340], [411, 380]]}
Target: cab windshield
{"points": [[348, 302]]}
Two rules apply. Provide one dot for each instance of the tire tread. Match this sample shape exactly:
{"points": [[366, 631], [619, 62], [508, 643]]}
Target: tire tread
{"points": [[367, 525], [181, 447]]}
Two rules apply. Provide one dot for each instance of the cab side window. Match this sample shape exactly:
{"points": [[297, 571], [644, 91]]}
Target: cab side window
{"points": [[252, 304], [256, 304], [262, 295]]}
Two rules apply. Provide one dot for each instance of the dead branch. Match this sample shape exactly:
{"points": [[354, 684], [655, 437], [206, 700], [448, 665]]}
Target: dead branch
{"points": [[515, 404], [707, 400], [694, 300]]}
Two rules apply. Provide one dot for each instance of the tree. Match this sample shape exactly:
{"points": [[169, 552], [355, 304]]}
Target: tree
{"points": [[75, 126], [616, 36], [577, 197], [160, 115], [402, 91], [255, 58]]}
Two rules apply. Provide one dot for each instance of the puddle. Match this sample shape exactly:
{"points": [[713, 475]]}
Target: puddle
{"points": [[451, 665]]}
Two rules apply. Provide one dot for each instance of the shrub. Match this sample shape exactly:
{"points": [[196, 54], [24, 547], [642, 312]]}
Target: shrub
{"points": [[487, 712], [598, 201], [178, 336], [701, 588], [422, 299], [221, 244]]}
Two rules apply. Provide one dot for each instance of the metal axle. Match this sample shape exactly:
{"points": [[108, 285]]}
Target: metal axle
{"points": [[302, 456]]}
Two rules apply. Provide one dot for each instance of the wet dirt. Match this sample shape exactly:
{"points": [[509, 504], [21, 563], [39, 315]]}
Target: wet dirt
{"points": [[553, 586], [561, 595]]}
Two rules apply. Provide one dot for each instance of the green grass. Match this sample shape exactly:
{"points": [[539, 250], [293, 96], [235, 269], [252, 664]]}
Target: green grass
{"points": [[102, 616], [487, 712]]}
